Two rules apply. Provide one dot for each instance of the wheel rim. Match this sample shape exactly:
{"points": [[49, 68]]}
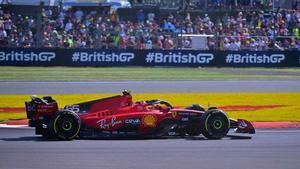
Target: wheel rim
{"points": [[217, 124], [67, 125]]}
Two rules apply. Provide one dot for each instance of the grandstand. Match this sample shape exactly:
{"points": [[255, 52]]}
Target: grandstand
{"points": [[255, 25]]}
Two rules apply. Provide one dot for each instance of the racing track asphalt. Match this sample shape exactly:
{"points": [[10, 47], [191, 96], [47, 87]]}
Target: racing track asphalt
{"points": [[275, 149], [52, 87]]}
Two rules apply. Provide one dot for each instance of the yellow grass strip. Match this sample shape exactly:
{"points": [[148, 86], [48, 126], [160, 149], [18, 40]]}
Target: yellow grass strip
{"points": [[290, 111]]}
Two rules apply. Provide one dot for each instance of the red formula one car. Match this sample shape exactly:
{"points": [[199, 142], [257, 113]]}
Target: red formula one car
{"points": [[119, 116]]}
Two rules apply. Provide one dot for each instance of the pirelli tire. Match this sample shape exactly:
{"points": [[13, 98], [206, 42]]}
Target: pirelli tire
{"points": [[65, 125], [214, 124]]}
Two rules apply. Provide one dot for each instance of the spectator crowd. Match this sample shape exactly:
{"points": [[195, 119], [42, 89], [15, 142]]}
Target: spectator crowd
{"points": [[69, 28]]}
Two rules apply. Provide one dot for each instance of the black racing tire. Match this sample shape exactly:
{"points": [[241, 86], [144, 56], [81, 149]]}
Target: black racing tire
{"points": [[65, 125], [214, 124], [196, 107]]}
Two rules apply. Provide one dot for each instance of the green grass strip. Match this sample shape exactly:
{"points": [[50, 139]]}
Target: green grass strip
{"points": [[142, 73]]}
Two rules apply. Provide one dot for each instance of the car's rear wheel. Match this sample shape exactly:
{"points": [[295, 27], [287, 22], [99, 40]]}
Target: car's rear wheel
{"points": [[214, 124], [65, 125]]}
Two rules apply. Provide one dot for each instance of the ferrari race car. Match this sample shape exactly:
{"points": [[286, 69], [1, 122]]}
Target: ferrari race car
{"points": [[119, 116]]}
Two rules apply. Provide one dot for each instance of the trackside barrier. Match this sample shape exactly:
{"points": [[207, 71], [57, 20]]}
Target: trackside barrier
{"points": [[178, 58]]}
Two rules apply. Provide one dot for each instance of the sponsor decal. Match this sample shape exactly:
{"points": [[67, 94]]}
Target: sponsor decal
{"points": [[134, 121], [174, 114], [102, 57], [184, 114], [99, 57], [172, 57], [187, 114], [140, 108], [242, 124], [74, 108], [107, 124], [254, 58], [30, 107], [22, 56], [123, 104], [184, 119], [171, 133], [149, 120], [132, 132]]}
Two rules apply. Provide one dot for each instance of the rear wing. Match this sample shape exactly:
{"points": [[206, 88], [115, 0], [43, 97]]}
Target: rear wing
{"points": [[38, 108]]}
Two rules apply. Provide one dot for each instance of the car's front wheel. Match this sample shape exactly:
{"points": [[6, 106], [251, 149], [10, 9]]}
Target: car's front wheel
{"points": [[214, 124], [65, 125]]}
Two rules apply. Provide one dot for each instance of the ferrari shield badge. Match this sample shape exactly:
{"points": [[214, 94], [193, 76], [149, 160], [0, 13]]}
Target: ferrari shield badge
{"points": [[174, 114]]}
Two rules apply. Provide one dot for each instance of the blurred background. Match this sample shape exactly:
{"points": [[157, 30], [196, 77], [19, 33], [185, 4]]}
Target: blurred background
{"points": [[256, 25]]}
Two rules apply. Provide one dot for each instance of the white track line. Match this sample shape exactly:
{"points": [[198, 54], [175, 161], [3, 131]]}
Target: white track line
{"points": [[13, 126]]}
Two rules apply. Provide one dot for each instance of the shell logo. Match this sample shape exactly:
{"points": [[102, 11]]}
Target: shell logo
{"points": [[149, 120]]}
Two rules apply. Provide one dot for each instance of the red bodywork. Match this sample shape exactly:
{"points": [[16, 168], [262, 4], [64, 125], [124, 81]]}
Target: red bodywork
{"points": [[119, 114], [111, 114]]}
